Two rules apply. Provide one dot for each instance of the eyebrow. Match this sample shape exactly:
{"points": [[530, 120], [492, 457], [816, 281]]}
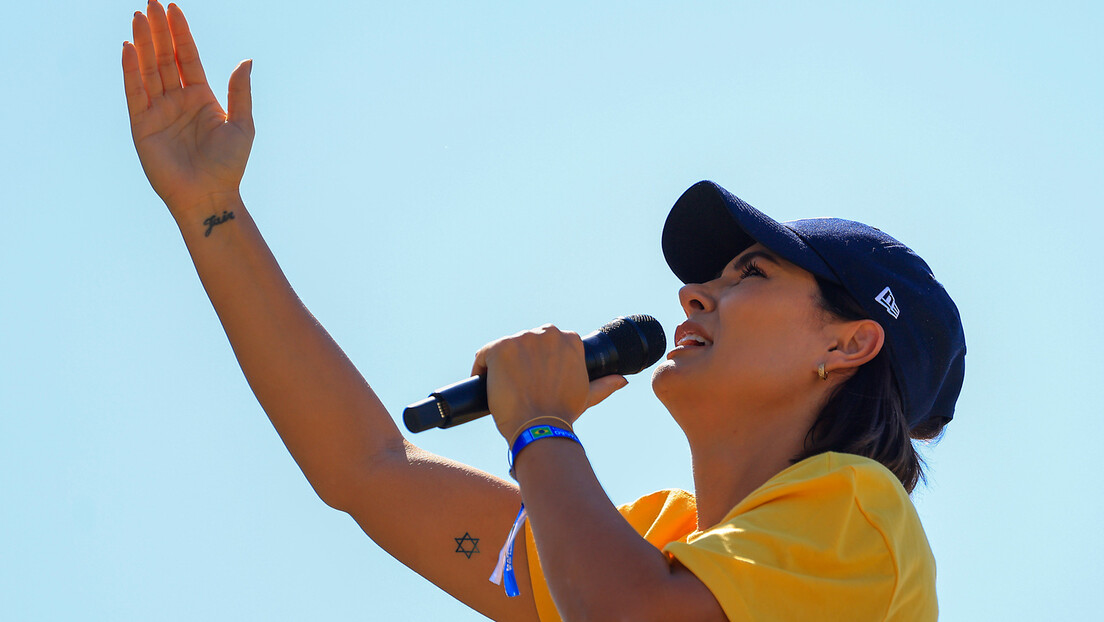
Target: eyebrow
{"points": [[747, 258]]}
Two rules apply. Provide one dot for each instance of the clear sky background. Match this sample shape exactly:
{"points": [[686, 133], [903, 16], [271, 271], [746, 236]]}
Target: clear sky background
{"points": [[434, 175]]}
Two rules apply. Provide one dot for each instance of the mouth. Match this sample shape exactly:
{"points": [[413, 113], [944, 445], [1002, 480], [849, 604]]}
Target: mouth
{"points": [[692, 340], [689, 336]]}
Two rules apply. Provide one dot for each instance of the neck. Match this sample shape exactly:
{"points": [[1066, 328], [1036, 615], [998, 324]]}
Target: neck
{"points": [[729, 466]]}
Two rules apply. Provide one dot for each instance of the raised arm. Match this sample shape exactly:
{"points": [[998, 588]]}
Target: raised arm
{"points": [[423, 509]]}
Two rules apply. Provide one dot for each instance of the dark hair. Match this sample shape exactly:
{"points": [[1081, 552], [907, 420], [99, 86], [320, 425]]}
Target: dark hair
{"points": [[865, 415]]}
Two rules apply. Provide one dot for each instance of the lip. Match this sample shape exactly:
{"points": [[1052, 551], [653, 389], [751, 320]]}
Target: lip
{"points": [[689, 328]]}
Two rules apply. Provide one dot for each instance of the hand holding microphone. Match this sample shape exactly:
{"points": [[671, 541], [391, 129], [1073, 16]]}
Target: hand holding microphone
{"points": [[623, 346]]}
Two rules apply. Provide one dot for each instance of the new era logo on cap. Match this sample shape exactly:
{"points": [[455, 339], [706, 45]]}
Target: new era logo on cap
{"points": [[886, 300]]}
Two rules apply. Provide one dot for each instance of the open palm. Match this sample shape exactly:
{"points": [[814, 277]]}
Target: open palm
{"points": [[191, 149]]}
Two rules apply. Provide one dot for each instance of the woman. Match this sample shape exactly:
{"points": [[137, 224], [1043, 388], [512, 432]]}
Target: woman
{"points": [[812, 351]]}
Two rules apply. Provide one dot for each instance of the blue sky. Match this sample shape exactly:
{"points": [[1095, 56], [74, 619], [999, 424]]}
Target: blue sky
{"points": [[434, 175]]}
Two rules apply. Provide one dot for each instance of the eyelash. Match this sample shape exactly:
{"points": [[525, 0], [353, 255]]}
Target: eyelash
{"points": [[751, 269]]}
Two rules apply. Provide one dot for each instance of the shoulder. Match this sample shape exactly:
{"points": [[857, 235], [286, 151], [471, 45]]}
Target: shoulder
{"points": [[836, 480], [858, 489], [669, 500], [663, 516], [836, 527], [858, 505]]}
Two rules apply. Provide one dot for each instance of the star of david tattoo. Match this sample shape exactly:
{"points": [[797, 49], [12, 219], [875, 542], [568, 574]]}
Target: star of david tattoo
{"points": [[461, 542]]}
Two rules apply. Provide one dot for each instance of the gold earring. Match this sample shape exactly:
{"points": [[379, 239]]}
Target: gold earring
{"points": [[820, 372]]}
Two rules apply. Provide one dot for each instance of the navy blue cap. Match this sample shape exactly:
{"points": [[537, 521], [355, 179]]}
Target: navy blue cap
{"points": [[708, 227]]}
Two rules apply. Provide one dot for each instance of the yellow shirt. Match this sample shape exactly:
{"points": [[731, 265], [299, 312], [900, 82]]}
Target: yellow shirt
{"points": [[833, 537]]}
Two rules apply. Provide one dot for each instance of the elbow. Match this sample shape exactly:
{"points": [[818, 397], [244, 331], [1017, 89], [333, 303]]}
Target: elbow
{"points": [[641, 604], [603, 614], [333, 498], [605, 609], [346, 489], [630, 613], [333, 491]]}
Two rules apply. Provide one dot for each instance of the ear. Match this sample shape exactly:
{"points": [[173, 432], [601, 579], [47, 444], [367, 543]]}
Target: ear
{"points": [[856, 343]]}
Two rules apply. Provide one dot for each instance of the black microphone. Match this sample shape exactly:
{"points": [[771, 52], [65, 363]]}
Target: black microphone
{"points": [[626, 345]]}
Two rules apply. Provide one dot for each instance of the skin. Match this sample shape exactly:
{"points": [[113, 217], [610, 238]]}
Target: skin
{"points": [[412, 503], [768, 336], [755, 382], [745, 400]]}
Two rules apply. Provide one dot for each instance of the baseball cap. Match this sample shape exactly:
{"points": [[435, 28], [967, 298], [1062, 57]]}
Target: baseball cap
{"points": [[708, 227]]}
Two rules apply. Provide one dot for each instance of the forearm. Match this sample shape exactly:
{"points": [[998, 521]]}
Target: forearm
{"points": [[596, 566], [328, 417]]}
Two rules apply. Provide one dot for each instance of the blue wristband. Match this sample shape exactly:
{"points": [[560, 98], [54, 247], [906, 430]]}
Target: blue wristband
{"points": [[504, 572], [536, 433]]}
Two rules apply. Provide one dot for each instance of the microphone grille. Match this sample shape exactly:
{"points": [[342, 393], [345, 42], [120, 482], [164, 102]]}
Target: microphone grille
{"points": [[639, 340]]}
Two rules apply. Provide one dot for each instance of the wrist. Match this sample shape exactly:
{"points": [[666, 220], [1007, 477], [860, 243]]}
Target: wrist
{"points": [[540, 420], [532, 432], [187, 209], [203, 215]]}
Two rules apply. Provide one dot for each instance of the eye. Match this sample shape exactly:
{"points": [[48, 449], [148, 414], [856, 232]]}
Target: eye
{"points": [[751, 269]]}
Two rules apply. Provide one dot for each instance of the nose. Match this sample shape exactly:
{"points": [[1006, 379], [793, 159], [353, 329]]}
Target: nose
{"points": [[695, 297]]}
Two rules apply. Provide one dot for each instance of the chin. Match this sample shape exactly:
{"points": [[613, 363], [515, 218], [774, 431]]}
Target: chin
{"points": [[664, 379], [668, 384]]}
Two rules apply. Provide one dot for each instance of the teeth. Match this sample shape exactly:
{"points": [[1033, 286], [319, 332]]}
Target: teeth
{"points": [[692, 339]]}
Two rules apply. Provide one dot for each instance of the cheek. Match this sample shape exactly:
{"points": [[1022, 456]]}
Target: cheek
{"points": [[771, 343]]}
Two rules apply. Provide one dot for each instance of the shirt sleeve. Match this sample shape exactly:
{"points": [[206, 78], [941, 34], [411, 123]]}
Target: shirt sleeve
{"points": [[803, 549], [832, 538], [659, 518]]}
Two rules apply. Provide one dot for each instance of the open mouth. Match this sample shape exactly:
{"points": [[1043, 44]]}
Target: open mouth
{"points": [[692, 340], [690, 335]]}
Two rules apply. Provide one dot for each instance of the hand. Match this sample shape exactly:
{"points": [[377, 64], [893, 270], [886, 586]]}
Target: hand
{"points": [[191, 150], [541, 372]]}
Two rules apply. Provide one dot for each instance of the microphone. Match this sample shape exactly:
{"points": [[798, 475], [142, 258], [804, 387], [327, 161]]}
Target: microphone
{"points": [[626, 345]]}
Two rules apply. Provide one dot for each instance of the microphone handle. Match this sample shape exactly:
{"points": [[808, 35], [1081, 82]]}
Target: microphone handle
{"points": [[459, 402], [466, 400]]}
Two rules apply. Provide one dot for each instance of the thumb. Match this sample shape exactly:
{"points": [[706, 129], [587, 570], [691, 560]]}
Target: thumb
{"points": [[604, 387], [239, 99]]}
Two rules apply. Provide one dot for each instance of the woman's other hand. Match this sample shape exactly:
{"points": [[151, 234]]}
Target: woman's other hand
{"points": [[191, 149]]}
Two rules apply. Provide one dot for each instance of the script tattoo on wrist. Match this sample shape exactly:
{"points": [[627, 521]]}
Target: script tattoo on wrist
{"points": [[215, 219], [467, 545]]}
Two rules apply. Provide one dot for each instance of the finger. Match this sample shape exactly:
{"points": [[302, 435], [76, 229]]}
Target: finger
{"points": [[162, 44], [187, 55], [239, 98], [604, 387], [137, 100], [479, 367], [147, 57]]}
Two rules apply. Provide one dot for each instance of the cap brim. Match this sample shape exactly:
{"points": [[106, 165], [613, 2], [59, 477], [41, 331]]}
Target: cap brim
{"points": [[708, 226]]}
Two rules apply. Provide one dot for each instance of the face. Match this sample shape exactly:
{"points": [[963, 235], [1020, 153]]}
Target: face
{"points": [[752, 341]]}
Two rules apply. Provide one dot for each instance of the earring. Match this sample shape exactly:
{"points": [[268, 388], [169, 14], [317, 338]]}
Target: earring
{"points": [[820, 372]]}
